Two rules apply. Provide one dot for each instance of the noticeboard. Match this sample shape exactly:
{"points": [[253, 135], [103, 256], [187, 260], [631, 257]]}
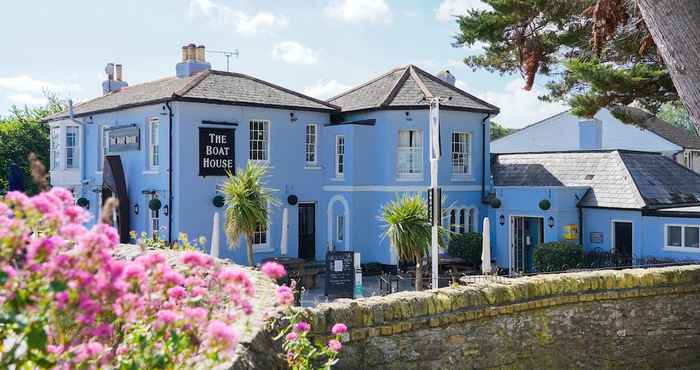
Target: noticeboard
{"points": [[340, 274]]}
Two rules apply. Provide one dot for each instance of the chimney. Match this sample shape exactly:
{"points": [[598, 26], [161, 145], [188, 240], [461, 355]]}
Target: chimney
{"points": [[447, 77], [193, 61], [114, 80]]}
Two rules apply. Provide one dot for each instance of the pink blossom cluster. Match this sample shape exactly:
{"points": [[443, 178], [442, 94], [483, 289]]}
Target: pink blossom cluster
{"points": [[98, 311]]}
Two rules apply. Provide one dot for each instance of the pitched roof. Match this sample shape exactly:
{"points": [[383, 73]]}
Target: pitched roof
{"points": [[407, 87], [616, 178], [207, 86], [646, 120]]}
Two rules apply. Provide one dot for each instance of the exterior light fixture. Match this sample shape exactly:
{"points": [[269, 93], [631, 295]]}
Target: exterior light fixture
{"points": [[502, 219], [550, 221], [166, 210], [292, 118], [136, 208], [218, 201], [83, 202]]}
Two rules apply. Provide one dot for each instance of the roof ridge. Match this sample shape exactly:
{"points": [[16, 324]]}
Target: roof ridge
{"points": [[419, 82], [543, 120], [395, 89], [453, 87], [198, 77], [367, 83], [289, 91]]}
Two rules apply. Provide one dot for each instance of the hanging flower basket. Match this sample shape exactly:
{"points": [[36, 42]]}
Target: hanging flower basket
{"points": [[218, 201], [495, 203], [154, 204], [83, 202], [545, 204]]}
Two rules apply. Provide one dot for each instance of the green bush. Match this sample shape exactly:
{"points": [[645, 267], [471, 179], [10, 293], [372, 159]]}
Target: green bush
{"points": [[466, 246], [558, 256]]}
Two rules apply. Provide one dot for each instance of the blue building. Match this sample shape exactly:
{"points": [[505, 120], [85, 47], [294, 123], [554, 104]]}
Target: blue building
{"points": [[640, 206], [334, 163]]}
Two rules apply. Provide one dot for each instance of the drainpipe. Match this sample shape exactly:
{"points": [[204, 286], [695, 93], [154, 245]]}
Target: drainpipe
{"points": [[483, 156], [170, 171], [81, 143]]}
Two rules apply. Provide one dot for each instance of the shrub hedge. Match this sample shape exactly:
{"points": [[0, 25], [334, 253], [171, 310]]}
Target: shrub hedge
{"points": [[466, 246], [558, 256]]}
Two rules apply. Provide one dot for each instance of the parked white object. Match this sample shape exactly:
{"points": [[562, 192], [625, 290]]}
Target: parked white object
{"points": [[215, 236], [285, 226], [486, 247]]}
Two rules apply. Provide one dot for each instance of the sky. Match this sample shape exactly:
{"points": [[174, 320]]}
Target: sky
{"points": [[318, 47]]}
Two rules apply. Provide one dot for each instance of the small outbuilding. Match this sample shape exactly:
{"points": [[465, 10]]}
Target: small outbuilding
{"points": [[638, 206]]}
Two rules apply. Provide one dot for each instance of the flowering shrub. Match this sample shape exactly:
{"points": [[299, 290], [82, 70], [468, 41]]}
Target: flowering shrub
{"points": [[65, 302], [302, 352]]}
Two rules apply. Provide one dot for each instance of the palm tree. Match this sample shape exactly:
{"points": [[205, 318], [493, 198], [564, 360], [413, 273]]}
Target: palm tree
{"points": [[247, 205], [407, 227]]}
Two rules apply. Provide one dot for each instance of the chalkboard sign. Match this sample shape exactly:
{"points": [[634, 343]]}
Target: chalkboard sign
{"points": [[340, 274], [216, 151]]}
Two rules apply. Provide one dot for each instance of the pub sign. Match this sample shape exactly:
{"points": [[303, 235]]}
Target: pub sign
{"points": [[123, 139], [216, 151]]}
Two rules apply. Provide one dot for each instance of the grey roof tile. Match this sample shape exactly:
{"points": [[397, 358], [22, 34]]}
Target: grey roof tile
{"points": [[622, 179], [407, 87], [206, 86]]}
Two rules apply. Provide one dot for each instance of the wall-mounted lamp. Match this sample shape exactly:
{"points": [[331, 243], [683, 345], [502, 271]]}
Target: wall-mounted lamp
{"points": [[166, 210], [83, 202], [408, 116], [550, 221], [502, 219], [136, 208], [292, 118]]}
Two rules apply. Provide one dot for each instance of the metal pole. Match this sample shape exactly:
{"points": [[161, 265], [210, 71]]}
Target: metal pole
{"points": [[434, 229]]}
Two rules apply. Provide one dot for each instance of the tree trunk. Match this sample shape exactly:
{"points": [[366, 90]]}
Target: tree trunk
{"points": [[249, 246], [674, 26], [419, 272]]}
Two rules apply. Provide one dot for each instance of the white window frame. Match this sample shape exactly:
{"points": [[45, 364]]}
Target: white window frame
{"points": [[682, 247], [340, 162], [458, 170], [340, 228], [55, 148], [153, 217], [103, 148], [75, 147], [153, 144], [413, 151], [265, 141], [467, 226], [311, 148]]}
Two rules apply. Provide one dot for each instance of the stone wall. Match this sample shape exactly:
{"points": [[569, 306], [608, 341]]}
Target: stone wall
{"points": [[637, 318]]}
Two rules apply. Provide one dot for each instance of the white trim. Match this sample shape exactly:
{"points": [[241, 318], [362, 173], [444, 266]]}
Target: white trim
{"points": [[475, 221], [150, 172], [682, 247], [612, 234], [150, 153], [469, 159], [542, 187], [267, 246], [410, 176], [337, 228], [329, 215], [395, 188], [462, 178]]}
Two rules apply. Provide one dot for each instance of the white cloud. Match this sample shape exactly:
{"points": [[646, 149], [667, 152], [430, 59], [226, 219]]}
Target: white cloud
{"points": [[26, 99], [356, 11], [519, 107], [221, 16], [27, 90], [325, 89], [295, 53], [449, 8]]}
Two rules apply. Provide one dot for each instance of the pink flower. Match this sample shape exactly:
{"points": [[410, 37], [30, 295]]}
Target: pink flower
{"points": [[63, 194], [273, 270], [134, 271], [56, 350], [166, 316], [222, 334], [177, 292], [40, 249], [61, 299], [196, 259], [334, 345], [291, 337], [285, 296], [173, 277], [196, 314], [302, 327], [339, 328]]}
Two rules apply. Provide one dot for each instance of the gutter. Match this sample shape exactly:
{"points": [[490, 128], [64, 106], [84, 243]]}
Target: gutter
{"points": [[170, 171]]}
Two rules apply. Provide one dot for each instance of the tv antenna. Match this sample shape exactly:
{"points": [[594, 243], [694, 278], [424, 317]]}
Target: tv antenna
{"points": [[228, 54]]}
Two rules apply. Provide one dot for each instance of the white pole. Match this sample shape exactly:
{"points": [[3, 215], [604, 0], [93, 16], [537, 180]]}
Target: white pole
{"points": [[434, 157], [434, 229], [486, 247], [214, 252]]}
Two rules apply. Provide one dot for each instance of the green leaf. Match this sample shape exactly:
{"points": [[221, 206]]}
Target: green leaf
{"points": [[36, 338], [57, 286], [3, 277]]}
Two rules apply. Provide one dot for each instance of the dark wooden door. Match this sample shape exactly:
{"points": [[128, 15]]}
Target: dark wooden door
{"points": [[307, 231], [623, 239]]}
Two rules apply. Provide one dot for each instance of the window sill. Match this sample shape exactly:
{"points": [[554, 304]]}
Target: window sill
{"points": [[310, 167], [150, 172], [409, 178], [338, 179], [681, 249], [262, 248], [462, 178]]}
